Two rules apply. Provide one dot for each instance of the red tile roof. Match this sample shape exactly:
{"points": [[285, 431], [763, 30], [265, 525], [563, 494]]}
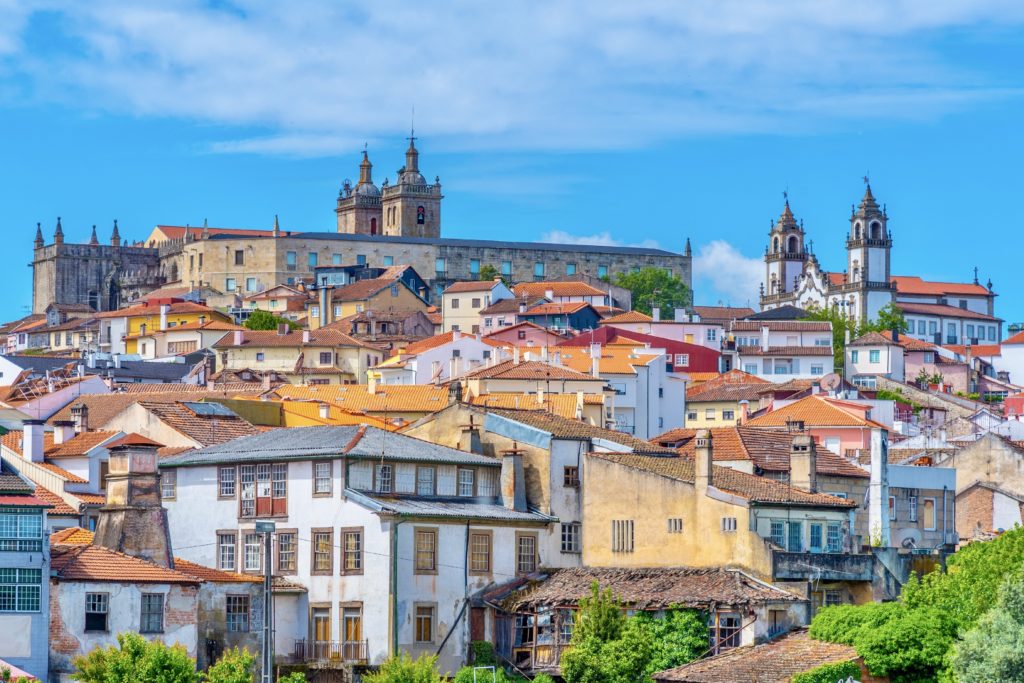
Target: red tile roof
{"points": [[557, 288], [529, 370], [72, 536], [942, 310], [782, 325], [817, 411], [23, 501], [176, 308], [722, 313], [360, 290], [58, 507], [628, 317], [910, 284], [910, 343], [322, 337], [207, 430], [785, 351], [566, 308], [471, 286], [133, 439], [75, 447], [438, 340], [1015, 339], [982, 350], [95, 563]]}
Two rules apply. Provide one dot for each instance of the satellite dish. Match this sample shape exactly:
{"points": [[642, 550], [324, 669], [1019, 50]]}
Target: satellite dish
{"points": [[830, 382]]}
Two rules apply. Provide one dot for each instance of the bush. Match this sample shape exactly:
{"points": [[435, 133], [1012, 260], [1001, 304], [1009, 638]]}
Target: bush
{"points": [[293, 677], [842, 623], [404, 669], [994, 651], [465, 675], [829, 673], [910, 647], [234, 666], [483, 653], [136, 659], [265, 320]]}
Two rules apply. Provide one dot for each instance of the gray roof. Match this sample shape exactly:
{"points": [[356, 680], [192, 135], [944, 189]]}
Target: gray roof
{"points": [[448, 507], [456, 242], [305, 443], [130, 369]]}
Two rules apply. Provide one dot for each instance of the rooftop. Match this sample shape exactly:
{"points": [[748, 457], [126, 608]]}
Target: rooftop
{"points": [[95, 563], [910, 284], [577, 430], [628, 317], [205, 423], [75, 447], [472, 286], [447, 508], [782, 326], [818, 411], [322, 337], [386, 398], [943, 311], [529, 370]]}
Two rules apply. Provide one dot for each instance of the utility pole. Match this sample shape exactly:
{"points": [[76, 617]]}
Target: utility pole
{"points": [[267, 660]]}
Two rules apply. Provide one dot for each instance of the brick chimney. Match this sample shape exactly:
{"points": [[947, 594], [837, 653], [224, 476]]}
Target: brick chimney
{"points": [[803, 464], [133, 520], [513, 479], [702, 463]]}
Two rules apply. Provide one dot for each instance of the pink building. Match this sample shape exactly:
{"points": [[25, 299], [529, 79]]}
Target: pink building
{"points": [[526, 335]]}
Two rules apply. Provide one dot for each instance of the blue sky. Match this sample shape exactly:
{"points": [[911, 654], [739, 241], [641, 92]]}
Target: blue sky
{"points": [[636, 123]]}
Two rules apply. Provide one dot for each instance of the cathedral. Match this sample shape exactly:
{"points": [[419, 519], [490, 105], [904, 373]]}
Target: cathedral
{"points": [[794, 277]]}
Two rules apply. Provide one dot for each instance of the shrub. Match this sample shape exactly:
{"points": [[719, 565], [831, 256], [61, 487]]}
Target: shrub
{"points": [[994, 651], [234, 666], [136, 659], [909, 647], [404, 669], [483, 653], [829, 673], [842, 623]]}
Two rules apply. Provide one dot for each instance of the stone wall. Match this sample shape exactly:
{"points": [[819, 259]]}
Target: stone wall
{"points": [[91, 274]]}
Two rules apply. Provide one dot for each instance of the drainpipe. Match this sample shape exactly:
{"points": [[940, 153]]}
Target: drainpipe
{"points": [[394, 585]]}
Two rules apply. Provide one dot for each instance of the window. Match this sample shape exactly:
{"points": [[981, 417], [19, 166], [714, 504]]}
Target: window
{"points": [[455, 302], [238, 613], [286, 554], [538, 269], [226, 551], [834, 537], [251, 547], [352, 631], [602, 271], [152, 613], [728, 524], [691, 415], [912, 509], [817, 538], [817, 370], [323, 478], [675, 525], [440, 266], [892, 508], [425, 623], [474, 266], [360, 259], [336, 260], [526, 553], [426, 551], [21, 531], [933, 327], [290, 259], [480, 552], [571, 537], [570, 268], [833, 598], [311, 259], [384, 478], [795, 540], [970, 331], [750, 368], [168, 484], [991, 333], [571, 476], [874, 356], [425, 481], [323, 551], [622, 535], [921, 327], [951, 333], [728, 414], [854, 356], [97, 606], [229, 284], [467, 483], [712, 334], [683, 360], [709, 413], [239, 257], [725, 631], [20, 589], [226, 482], [260, 356], [929, 514], [522, 334], [778, 533], [352, 551]]}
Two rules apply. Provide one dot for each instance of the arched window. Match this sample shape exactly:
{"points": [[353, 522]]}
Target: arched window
{"points": [[373, 226], [793, 244], [876, 231], [775, 245], [856, 231], [421, 215]]}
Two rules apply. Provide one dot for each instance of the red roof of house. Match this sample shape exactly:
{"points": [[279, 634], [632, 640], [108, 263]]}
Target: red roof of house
{"points": [[943, 311], [911, 284], [472, 286]]}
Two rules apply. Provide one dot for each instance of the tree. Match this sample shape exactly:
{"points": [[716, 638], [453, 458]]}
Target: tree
{"points": [[829, 673], [654, 287], [402, 668], [136, 660], [890, 318], [234, 666], [599, 616], [994, 650], [265, 320], [910, 647], [489, 272]]}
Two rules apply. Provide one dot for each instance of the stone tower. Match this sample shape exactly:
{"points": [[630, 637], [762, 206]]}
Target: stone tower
{"points": [[869, 250], [785, 255], [411, 207], [133, 520], [359, 208]]}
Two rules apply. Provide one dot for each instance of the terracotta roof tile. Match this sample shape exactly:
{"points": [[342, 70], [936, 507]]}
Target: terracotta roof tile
{"points": [[90, 498], [872, 339], [12, 483], [77, 446], [104, 407], [722, 313], [817, 411], [628, 317], [785, 351], [133, 439], [910, 343], [563, 405], [753, 488], [176, 308], [1015, 339], [205, 429], [323, 337], [394, 398], [361, 290], [578, 430], [557, 308], [529, 370], [980, 350], [471, 286], [943, 311], [72, 536], [732, 391], [204, 573], [776, 661], [782, 326], [557, 288], [439, 340], [908, 284], [615, 360], [95, 563], [59, 508]]}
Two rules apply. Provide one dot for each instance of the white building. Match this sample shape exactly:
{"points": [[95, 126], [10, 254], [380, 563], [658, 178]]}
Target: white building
{"points": [[781, 350], [871, 356], [388, 534], [439, 359], [462, 302]]}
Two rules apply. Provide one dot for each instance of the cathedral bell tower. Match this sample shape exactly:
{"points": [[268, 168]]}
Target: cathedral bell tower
{"points": [[359, 208], [412, 207], [869, 249], [785, 255]]}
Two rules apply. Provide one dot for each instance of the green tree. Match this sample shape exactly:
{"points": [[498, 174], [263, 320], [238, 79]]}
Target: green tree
{"points": [[234, 666], [293, 677], [489, 272], [599, 616], [910, 647], [402, 668], [265, 320], [829, 673], [843, 623], [994, 650], [655, 287], [889, 318], [136, 660]]}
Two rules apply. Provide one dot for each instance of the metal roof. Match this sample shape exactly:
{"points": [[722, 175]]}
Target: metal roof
{"points": [[321, 442], [469, 508]]}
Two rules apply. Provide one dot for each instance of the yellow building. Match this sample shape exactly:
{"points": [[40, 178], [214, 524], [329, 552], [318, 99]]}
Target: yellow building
{"points": [[376, 294], [324, 356], [140, 320], [181, 339], [720, 402]]}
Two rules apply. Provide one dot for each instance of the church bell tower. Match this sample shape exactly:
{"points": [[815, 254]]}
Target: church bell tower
{"points": [[785, 255]]}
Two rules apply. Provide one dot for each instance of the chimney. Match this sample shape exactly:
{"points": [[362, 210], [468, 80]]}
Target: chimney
{"points": [[896, 334], [325, 303], [579, 405], [878, 488], [764, 337], [515, 355], [80, 416], [656, 314], [471, 434], [32, 440], [702, 477], [117, 361], [325, 411], [236, 339], [544, 353], [305, 336], [513, 482], [549, 294], [803, 464], [133, 521], [679, 315], [164, 310], [595, 360], [371, 383], [282, 329], [744, 411], [63, 430], [522, 307], [847, 337], [540, 394]]}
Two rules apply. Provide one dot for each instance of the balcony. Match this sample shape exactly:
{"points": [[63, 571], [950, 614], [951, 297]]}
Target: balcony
{"points": [[327, 654], [792, 566]]}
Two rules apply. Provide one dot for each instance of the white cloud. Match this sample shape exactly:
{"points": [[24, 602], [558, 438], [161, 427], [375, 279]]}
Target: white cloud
{"points": [[580, 74], [732, 276], [602, 239]]}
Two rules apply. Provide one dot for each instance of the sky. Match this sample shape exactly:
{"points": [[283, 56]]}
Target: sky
{"points": [[644, 122]]}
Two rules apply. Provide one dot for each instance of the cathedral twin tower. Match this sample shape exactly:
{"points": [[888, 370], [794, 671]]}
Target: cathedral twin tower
{"points": [[409, 208]]}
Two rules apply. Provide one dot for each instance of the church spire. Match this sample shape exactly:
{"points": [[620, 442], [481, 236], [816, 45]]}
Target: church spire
{"points": [[39, 243], [868, 204], [365, 170], [115, 236], [92, 240], [58, 234], [688, 251], [412, 155]]}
